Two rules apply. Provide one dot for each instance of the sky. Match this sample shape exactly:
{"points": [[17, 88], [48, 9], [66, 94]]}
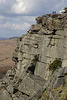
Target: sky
{"points": [[17, 16]]}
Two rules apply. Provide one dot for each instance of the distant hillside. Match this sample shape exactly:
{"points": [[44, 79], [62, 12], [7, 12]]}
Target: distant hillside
{"points": [[6, 52], [13, 37], [3, 38]]}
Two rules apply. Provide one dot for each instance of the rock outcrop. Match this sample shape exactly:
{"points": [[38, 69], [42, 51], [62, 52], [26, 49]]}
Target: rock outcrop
{"points": [[41, 62]]}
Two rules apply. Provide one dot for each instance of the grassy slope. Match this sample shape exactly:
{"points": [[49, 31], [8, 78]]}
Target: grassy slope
{"points": [[6, 51]]}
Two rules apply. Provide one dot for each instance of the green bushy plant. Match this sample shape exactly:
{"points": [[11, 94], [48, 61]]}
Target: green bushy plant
{"points": [[55, 65]]}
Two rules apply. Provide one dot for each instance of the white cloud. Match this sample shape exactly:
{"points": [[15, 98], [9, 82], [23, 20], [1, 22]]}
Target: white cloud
{"points": [[22, 26], [5, 25], [2, 1], [19, 7], [29, 19], [23, 6], [1, 17]]}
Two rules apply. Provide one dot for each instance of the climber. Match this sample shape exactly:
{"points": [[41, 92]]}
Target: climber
{"points": [[53, 12]]}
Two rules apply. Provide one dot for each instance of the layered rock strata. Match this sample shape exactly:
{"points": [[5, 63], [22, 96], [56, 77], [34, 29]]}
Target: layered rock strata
{"points": [[45, 42]]}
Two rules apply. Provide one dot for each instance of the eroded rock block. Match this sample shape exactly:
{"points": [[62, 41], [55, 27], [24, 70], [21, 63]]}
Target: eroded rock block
{"points": [[31, 84], [4, 95]]}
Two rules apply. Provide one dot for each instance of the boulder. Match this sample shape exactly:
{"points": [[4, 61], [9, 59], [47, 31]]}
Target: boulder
{"points": [[58, 82], [31, 84], [36, 28], [4, 95]]}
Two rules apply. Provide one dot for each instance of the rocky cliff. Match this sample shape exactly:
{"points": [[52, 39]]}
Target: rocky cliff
{"points": [[41, 62]]}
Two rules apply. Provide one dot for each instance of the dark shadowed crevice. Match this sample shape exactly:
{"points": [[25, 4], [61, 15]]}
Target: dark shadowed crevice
{"points": [[31, 69], [24, 94], [15, 90], [54, 32]]}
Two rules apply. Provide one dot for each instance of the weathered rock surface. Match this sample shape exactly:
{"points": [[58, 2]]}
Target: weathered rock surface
{"points": [[44, 42]]}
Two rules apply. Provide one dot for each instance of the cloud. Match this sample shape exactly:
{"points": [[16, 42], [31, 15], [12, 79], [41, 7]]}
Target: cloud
{"points": [[19, 7], [22, 26], [30, 7], [11, 26], [1, 17], [2, 1], [15, 26]]}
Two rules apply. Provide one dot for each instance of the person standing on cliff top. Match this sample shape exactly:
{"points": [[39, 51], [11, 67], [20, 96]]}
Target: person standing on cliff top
{"points": [[53, 12]]}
